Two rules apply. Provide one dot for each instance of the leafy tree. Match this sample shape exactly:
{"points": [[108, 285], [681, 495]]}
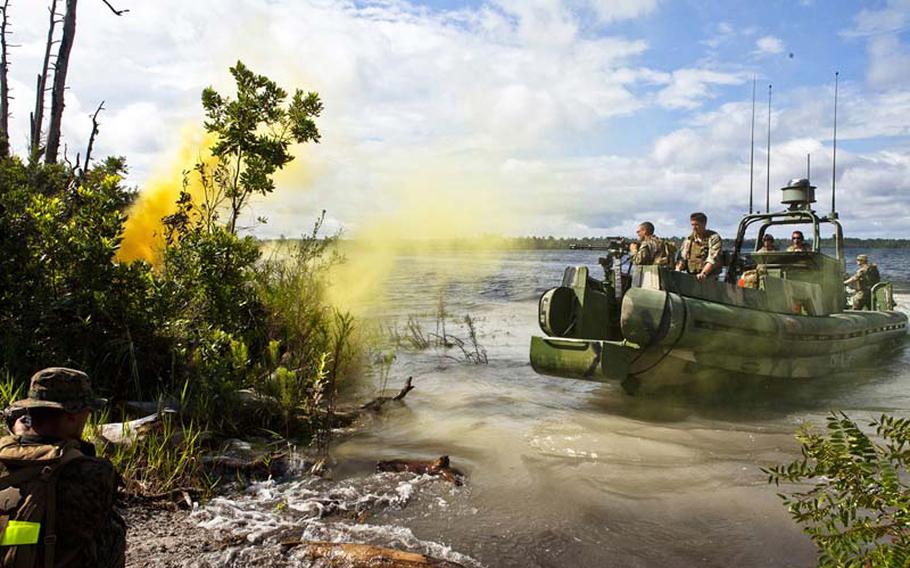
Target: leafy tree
{"points": [[255, 132], [856, 508], [62, 299]]}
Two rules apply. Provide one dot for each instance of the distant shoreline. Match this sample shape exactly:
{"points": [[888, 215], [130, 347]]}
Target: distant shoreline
{"points": [[563, 243]]}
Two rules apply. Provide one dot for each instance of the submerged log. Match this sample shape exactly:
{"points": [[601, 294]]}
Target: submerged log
{"points": [[345, 417], [352, 555], [376, 404], [439, 467]]}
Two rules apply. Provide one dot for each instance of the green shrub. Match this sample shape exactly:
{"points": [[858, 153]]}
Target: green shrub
{"points": [[214, 318], [856, 508]]}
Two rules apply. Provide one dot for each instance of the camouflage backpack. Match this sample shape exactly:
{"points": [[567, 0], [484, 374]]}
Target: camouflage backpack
{"points": [[28, 499], [665, 252]]}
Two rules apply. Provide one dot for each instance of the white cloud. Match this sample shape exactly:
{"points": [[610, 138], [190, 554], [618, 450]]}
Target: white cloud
{"points": [[614, 10], [889, 62], [889, 56], [891, 18], [689, 87], [506, 105], [769, 45]]}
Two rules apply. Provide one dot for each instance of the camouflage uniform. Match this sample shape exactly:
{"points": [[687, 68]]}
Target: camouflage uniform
{"points": [[89, 530], [697, 252], [798, 248], [651, 251], [865, 277]]}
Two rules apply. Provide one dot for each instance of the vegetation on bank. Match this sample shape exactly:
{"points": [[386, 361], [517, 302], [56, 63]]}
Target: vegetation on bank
{"points": [[853, 497], [247, 344]]}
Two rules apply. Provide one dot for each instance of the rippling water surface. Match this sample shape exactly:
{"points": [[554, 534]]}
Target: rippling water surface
{"points": [[563, 472]]}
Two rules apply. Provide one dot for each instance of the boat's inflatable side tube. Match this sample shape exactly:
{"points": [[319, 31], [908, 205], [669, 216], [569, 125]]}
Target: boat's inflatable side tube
{"points": [[656, 317], [651, 317]]}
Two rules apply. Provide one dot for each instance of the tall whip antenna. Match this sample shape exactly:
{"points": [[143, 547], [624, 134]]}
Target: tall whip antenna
{"points": [[752, 148], [809, 167], [834, 156], [768, 182]]}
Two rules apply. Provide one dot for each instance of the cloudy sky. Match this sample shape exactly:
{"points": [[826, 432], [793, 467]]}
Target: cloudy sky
{"points": [[563, 117]]}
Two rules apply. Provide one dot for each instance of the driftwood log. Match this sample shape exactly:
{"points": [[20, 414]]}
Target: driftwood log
{"points": [[343, 418], [352, 555], [375, 405], [439, 467], [128, 433]]}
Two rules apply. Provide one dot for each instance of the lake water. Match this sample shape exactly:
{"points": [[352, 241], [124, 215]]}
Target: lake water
{"points": [[563, 472]]}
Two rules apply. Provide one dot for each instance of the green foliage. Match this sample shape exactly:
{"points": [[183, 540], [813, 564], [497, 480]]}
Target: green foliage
{"points": [[255, 132], [62, 299], [10, 389], [857, 506], [160, 461], [214, 319]]}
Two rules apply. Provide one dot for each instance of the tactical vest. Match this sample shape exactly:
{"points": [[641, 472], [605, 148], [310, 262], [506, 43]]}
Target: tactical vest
{"points": [[698, 253], [28, 499], [870, 277]]}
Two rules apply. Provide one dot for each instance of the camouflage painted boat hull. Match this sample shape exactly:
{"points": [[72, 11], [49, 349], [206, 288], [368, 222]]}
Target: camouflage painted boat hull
{"points": [[668, 337]]}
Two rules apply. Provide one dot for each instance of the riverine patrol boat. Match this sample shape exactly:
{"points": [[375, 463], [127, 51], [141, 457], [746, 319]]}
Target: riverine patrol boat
{"points": [[649, 326]]}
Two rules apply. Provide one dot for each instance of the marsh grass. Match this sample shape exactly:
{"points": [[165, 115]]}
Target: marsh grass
{"points": [[11, 390], [414, 337], [165, 459]]}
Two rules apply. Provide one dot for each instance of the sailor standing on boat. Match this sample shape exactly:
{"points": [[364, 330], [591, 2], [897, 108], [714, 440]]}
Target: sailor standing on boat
{"points": [[865, 277], [650, 250], [701, 251]]}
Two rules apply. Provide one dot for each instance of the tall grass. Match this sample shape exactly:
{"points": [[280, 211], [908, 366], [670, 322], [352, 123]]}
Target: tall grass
{"points": [[168, 458], [11, 390]]}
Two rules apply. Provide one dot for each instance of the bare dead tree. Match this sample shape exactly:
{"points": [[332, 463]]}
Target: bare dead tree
{"points": [[91, 138], [37, 118], [4, 84], [61, 65]]}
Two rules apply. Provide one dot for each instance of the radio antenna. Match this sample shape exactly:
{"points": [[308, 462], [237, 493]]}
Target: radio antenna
{"points": [[752, 148], [768, 180], [809, 167], [834, 155]]}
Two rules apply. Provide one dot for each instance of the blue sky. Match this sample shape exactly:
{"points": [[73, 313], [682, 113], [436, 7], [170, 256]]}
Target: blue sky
{"points": [[564, 117]]}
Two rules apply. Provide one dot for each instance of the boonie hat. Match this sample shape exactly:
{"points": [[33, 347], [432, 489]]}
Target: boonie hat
{"points": [[58, 387], [863, 257]]}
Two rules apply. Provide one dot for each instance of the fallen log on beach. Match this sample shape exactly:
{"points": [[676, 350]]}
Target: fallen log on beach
{"points": [[352, 555], [439, 467], [128, 433]]}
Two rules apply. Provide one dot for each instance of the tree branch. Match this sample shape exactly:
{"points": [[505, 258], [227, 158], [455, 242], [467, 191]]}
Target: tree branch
{"points": [[91, 138], [116, 13], [35, 148]]}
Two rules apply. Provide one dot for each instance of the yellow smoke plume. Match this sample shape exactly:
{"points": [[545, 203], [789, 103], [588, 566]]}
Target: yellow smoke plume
{"points": [[437, 209], [143, 234]]}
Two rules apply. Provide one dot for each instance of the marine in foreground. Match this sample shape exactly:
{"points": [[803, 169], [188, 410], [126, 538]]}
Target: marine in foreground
{"points": [[56, 497], [648, 327]]}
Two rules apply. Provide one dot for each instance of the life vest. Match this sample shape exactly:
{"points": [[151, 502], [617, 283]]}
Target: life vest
{"points": [[697, 252], [28, 499]]}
